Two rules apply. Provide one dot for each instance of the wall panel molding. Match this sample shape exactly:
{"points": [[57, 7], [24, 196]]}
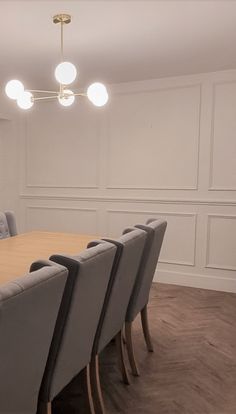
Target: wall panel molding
{"points": [[29, 184], [210, 218], [196, 280], [94, 211], [138, 200], [5, 117], [153, 187], [158, 214], [212, 187], [38, 207]]}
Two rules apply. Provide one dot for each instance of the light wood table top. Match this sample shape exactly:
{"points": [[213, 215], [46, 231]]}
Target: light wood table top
{"points": [[18, 252]]}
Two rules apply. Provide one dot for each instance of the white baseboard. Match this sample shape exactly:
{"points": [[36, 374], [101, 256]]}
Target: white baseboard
{"points": [[196, 280]]}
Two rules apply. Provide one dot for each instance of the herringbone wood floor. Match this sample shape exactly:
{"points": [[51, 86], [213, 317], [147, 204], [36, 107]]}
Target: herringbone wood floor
{"points": [[193, 369]]}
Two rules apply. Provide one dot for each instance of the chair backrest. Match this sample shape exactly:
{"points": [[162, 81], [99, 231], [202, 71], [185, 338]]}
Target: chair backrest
{"points": [[155, 230], [130, 248], [82, 302], [28, 310], [4, 229], [7, 224], [11, 221]]}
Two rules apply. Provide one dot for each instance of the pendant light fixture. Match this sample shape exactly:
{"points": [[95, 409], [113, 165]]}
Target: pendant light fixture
{"points": [[65, 74]]}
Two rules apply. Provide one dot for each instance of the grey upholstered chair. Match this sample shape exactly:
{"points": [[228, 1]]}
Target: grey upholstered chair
{"points": [[7, 224], [155, 230], [28, 310], [129, 252], [81, 306]]}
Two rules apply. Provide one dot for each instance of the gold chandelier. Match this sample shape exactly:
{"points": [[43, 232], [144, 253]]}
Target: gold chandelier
{"points": [[65, 74]]}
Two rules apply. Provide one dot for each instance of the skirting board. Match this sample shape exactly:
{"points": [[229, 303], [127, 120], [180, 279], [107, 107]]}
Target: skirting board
{"points": [[196, 280]]}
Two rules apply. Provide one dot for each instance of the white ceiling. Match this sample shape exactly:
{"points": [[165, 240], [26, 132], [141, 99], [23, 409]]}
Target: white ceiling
{"points": [[117, 41]]}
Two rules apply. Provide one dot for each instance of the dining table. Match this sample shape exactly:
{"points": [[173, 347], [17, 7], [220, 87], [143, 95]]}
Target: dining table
{"points": [[18, 252]]}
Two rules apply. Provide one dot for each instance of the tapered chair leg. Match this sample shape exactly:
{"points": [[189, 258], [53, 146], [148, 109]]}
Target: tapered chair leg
{"points": [[49, 408], [87, 392], [96, 386], [146, 332], [121, 357], [123, 335], [130, 349]]}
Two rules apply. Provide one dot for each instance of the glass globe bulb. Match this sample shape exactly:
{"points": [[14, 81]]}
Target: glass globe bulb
{"points": [[25, 101], [14, 88], [97, 94], [66, 100], [65, 73]]}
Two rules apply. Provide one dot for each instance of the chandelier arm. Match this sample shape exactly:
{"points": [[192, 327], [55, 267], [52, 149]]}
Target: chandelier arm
{"points": [[41, 91], [79, 94], [62, 87], [43, 98]]}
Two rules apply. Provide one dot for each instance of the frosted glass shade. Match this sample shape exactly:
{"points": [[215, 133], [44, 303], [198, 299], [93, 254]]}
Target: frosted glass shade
{"points": [[67, 100], [65, 73], [97, 94], [14, 88], [25, 101]]}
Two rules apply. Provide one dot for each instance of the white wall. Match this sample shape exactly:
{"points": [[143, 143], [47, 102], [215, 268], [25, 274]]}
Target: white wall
{"points": [[161, 148], [9, 163]]}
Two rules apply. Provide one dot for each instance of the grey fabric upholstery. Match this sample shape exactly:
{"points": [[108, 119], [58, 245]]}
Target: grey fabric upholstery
{"points": [[4, 229], [82, 302], [7, 225], [130, 248], [119, 249], [28, 310], [155, 230], [11, 221]]}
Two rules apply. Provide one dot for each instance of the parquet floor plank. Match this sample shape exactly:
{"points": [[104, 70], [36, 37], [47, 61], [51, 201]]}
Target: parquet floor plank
{"points": [[193, 368]]}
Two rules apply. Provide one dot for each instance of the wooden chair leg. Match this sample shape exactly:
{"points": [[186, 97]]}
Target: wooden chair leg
{"points": [[49, 408], [121, 357], [130, 349], [96, 386], [123, 335], [146, 332], [87, 393]]}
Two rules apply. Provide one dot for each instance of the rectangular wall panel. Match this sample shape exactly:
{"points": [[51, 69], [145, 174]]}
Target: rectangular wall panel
{"points": [[4, 139], [223, 151], [221, 247], [9, 175], [154, 138], [62, 147], [180, 237], [53, 218]]}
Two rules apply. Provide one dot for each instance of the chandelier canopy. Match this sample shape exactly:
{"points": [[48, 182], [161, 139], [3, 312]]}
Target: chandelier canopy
{"points": [[65, 74]]}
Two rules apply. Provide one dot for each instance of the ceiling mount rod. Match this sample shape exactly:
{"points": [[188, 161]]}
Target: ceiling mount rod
{"points": [[62, 52], [62, 18]]}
